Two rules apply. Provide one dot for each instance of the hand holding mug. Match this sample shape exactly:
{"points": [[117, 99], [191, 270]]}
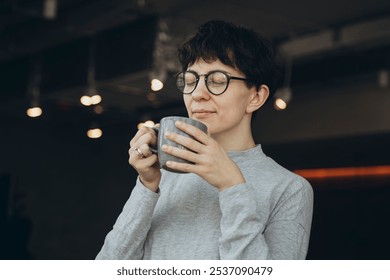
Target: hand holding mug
{"points": [[203, 156], [168, 125], [142, 158], [146, 154]]}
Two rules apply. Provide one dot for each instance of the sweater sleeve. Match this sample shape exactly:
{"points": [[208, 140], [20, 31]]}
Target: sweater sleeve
{"points": [[248, 232], [126, 239]]}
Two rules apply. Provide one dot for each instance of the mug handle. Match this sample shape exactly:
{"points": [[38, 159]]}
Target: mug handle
{"points": [[154, 149]]}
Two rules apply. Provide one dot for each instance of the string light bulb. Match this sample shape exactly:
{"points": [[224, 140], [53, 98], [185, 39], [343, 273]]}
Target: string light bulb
{"points": [[91, 97], [148, 123], [156, 85], [280, 104], [157, 78], [283, 95], [34, 112], [88, 100], [94, 133], [282, 98], [34, 90]]}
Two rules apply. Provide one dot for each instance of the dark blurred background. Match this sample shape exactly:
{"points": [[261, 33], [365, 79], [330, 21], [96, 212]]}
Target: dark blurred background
{"points": [[61, 191]]}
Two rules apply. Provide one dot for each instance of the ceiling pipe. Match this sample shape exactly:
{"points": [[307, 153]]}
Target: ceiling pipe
{"points": [[358, 35]]}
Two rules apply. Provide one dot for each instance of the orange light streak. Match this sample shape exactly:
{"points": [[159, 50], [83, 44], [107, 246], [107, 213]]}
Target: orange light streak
{"points": [[326, 173]]}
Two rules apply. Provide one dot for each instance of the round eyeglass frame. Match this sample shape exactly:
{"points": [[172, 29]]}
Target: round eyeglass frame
{"points": [[197, 76]]}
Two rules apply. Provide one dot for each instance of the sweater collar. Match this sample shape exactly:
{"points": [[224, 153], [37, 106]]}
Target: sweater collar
{"points": [[256, 151]]}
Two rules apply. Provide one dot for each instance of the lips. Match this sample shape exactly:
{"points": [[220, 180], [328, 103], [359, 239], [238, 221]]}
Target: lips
{"points": [[202, 113]]}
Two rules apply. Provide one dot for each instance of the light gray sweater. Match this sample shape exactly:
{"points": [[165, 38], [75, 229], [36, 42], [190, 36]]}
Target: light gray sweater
{"points": [[268, 217]]}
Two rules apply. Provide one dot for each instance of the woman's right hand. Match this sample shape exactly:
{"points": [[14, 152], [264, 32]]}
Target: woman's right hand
{"points": [[142, 158]]}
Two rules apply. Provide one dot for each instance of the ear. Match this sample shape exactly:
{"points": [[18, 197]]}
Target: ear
{"points": [[258, 98]]}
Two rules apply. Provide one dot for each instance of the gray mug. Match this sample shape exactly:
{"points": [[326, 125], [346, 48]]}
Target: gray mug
{"points": [[168, 124]]}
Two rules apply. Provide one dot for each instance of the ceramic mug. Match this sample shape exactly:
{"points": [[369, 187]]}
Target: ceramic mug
{"points": [[168, 124]]}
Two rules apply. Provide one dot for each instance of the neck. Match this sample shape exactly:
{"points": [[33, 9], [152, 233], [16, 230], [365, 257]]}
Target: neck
{"points": [[237, 139]]}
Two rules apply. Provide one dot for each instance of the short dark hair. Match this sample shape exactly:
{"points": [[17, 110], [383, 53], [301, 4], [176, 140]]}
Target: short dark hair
{"points": [[236, 46]]}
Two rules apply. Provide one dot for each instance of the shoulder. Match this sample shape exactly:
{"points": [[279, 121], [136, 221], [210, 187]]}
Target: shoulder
{"points": [[268, 177], [285, 180], [259, 166]]}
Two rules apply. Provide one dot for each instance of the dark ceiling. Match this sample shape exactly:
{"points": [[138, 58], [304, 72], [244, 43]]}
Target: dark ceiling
{"points": [[133, 39]]}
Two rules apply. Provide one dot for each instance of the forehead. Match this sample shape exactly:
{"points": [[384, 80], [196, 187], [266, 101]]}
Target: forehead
{"points": [[200, 66]]}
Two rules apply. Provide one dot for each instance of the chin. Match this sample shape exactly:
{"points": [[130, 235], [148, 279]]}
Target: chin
{"points": [[210, 127]]}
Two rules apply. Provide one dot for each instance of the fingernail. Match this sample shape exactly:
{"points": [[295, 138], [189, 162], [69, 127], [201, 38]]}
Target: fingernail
{"points": [[179, 122], [167, 133], [164, 147]]}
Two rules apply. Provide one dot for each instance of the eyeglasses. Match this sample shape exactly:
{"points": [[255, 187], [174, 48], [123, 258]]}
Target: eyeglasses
{"points": [[216, 82]]}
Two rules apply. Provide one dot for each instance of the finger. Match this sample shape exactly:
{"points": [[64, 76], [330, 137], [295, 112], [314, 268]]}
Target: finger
{"points": [[146, 163], [134, 155], [193, 131], [137, 153], [181, 153], [149, 137], [136, 137], [141, 164], [184, 167], [145, 150], [141, 133], [185, 141]]}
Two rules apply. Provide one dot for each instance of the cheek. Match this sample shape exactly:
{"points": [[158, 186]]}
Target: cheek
{"points": [[235, 104]]}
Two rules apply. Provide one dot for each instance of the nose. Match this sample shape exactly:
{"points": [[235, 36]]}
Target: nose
{"points": [[201, 91]]}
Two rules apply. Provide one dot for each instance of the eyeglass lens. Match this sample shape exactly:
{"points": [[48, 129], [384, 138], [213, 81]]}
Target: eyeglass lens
{"points": [[216, 82]]}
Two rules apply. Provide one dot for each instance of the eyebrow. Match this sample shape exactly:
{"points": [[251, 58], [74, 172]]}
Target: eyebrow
{"points": [[214, 70]]}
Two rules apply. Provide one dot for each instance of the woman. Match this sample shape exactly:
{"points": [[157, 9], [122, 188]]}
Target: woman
{"points": [[235, 202]]}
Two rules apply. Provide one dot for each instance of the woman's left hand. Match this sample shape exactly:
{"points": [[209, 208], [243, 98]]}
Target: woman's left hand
{"points": [[211, 162]]}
